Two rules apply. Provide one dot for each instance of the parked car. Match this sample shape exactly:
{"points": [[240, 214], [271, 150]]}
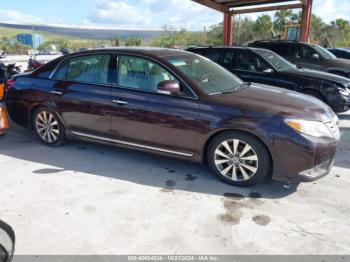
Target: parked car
{"points": [[178, 104], [7, 242], [66, 51], [7, 71], [49, 52], [266, 67], [4, 120], [307, 55], [3, 54], [340, 52]]}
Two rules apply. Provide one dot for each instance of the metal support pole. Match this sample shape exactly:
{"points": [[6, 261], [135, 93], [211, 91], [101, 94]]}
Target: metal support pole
{"points": [[228, 18], [306, 22]]}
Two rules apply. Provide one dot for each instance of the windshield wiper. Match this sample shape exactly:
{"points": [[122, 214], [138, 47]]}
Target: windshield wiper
{"points": [[233, 90]]}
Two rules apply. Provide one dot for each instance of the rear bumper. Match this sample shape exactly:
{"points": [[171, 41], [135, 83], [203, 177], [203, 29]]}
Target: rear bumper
{"points": [[307, 159], [4, 119]]}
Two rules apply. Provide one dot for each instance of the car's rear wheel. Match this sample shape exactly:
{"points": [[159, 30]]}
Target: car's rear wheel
{"points": [[238, 158], [48, 127]]}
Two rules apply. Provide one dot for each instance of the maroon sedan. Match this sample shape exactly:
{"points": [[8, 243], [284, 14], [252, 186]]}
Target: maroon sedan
{"points": [[178, 104]]}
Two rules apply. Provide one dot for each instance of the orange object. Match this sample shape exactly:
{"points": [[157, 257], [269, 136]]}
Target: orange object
{"points": [[4, 120], [2, 91]]}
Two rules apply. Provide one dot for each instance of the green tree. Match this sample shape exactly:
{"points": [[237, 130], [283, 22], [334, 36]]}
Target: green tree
{"points": [[263, 27], [133, 41], [282, 18]]}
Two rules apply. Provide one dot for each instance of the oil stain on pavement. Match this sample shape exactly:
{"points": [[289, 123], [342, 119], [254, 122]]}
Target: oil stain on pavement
{"points": [[234, 205], [262, 220]]}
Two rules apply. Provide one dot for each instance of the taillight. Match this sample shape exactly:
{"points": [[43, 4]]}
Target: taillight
{"points": [[10, 84], [2, 91]]}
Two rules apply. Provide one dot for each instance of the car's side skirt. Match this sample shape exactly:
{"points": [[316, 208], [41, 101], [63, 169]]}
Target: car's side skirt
{"points": [[132, 144]]}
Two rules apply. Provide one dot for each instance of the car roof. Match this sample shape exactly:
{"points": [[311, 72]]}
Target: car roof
{"points": [[219, 47], [280, 42], [150, 51], [340, 49]]}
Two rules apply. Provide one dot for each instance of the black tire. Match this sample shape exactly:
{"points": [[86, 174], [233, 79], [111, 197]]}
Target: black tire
{"points": [[61, 137], [263, 164], [315, 94]]}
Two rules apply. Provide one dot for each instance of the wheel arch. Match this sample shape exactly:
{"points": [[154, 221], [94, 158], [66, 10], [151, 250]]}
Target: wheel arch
{"points": [[36, 106], [219, 132]]}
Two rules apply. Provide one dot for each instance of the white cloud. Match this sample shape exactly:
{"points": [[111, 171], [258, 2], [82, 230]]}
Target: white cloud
{"points": [[329, 10], [153, 13], [18, 17], [157, 13]]}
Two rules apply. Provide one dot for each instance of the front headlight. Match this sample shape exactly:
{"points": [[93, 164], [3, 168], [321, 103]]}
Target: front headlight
{"points": [[311, 128]]}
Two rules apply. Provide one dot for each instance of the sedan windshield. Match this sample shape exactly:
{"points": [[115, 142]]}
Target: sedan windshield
{"points": [[278, 63], [209, 76], [324, 52]]}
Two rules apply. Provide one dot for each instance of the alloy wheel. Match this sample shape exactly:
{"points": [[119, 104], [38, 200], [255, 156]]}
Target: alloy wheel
{"points": [[236, 160], [47, 127]]}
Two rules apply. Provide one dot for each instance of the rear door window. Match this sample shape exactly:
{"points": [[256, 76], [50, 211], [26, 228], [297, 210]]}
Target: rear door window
{"points": [[228, 59], [213, 55], [87, 69]]}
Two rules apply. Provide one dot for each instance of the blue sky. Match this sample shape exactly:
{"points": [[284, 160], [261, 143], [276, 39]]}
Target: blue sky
{"points": [[135, 13]]}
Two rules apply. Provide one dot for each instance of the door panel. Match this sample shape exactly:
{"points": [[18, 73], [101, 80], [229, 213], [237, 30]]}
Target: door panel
{"points": [[143, 116], [155, 120], [84, 107], [82, 93]]}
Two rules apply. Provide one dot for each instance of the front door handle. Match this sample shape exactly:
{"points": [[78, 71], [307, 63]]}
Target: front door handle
{"points": [[119, 102], [55, 92]]}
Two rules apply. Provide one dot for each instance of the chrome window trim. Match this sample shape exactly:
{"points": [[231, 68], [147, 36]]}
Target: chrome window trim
{"points": [[75, 56], [132, 144], [195, 96]]}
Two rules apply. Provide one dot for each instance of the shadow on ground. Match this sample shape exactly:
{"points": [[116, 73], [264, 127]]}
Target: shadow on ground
{"points": [[121, 164]]}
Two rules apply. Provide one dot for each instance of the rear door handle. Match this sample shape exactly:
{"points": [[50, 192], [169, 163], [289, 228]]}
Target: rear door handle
{"points": [[119, 102], [55, 92]]}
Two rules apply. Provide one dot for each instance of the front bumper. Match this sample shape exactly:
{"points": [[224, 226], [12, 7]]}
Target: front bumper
{"points": [[305, 158], [4, 119]]}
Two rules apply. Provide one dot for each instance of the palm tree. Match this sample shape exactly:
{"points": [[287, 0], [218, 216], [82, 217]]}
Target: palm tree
{"points": [[342, 27], [264, 26], [282, 18]]}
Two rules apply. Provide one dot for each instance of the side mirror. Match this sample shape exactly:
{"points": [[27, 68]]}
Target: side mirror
{"points": [[168, 87], [268, 70], [316, 56], [7, 242]]}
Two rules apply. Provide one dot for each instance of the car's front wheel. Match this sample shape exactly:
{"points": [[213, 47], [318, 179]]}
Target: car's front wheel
{"points": [[48, 127], [238, 158]]}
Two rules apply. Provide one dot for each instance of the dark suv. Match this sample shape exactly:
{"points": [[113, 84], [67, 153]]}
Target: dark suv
{"points": [[178, 104], [266, 67], [307, 55]]}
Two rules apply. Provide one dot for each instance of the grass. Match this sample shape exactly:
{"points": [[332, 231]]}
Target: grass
{"points": [[71, 41]]}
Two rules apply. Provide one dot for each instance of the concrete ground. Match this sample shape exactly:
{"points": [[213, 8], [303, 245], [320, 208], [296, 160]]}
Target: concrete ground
{"points": [[85, 198]]}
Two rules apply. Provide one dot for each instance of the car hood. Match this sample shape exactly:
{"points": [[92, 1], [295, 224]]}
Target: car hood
{"points": [[319, 75], [343, 63], [272, 101]]}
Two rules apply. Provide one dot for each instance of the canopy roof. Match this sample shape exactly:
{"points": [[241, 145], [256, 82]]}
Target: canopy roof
{"points": [[249, 6]]}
